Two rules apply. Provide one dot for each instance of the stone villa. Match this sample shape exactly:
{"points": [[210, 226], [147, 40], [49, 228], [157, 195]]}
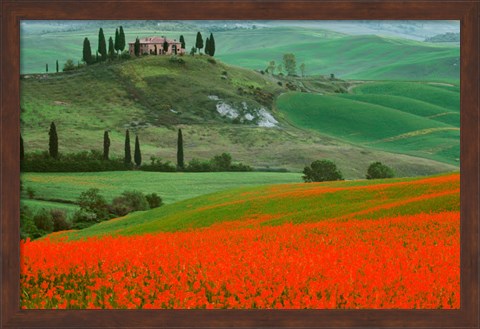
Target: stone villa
{"points": [[154, 46]]}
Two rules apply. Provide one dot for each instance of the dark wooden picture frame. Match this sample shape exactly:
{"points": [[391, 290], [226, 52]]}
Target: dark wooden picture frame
{"points": [[13, 11]]}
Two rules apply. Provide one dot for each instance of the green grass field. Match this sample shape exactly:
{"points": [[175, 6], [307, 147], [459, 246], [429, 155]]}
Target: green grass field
{"points": [[411, 118], [295, 203], [172, 187]]}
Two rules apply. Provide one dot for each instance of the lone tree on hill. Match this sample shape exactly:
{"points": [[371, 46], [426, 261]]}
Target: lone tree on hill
{"points": [[57, 65], [378, 170], [136, 47], [106, 145], [116, 41], [182, 41], [102, 45], [128, 151], [111, 48], [137, 155], [199, 42], [180, 160], [46, 67], [121, 41], [290, 64], [321, 171], [53, 141], [22, 151], [87, 52], [302, 69], [211, 47], [207, 46]]}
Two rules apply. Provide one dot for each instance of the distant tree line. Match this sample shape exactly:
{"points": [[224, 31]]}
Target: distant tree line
{"points": [[53, 161]]}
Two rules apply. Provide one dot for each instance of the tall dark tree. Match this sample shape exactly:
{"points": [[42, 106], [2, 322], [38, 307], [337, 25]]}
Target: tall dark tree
{"points": [[165, 46], [121, 41], [137, 155], [182, 41], [106, 145], [46, 67], [87, 52], [128, 151], [199, 42], [57, 65], [111, 48], [117, 40], [22, 151], [211, 47], [53, 141], [136, 47], [207, 46], [180, 160], [102, 45]]}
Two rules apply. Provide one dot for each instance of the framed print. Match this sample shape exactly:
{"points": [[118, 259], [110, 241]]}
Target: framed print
{"points": [[242, 164]]}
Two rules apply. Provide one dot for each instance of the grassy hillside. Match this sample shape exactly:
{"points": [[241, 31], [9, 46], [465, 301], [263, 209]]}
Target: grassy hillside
{"points": [[153, 97], [362, 57], [292, 203], [412, 118]]}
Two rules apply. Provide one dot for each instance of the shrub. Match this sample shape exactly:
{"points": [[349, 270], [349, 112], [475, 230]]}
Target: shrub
{"points": [[378, 170], [82, 219], [125, 55], [196, 165], [43, 221], [321, 171], [30, 192], [221, 162], [27, 225], [176, 59], [211, 60], [154, 200], [129, 201], [59, 220], [69, 65], [91, 201]]}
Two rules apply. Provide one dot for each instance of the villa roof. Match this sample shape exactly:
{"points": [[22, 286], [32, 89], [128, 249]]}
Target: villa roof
{"points": [[156, 40]]}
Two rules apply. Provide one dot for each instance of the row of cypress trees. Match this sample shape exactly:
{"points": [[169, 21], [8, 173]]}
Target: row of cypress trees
{"points": [[137, 154]]}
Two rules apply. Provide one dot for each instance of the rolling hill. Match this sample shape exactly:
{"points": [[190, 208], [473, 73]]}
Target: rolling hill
{"points": [[290, 203], [413, 118], [153, 96]]}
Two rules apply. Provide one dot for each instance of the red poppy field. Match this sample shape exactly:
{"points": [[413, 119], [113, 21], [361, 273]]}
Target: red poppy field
{"points": [[401, 249]]}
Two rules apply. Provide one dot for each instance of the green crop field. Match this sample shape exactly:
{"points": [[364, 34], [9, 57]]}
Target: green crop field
{"points": [[172, 187], [412, 118], [295, 203]]}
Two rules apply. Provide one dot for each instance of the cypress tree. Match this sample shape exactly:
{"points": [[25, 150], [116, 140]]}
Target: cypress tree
{"points": [[121, 43], [111, 48], [106, 145], [182, 41], [137, 155], [199, 42], [46, 67], [53, 141], [136, 47], [87, 52], [102, 45], [22, 151], [128, 152], [57, 65], [165, 46], [211, 47], [180, 160], [207, 46], [117, 41]]}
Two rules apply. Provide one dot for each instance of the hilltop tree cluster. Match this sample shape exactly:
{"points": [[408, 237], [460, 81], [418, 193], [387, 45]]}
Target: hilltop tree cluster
{"points": [[116, 45]]}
